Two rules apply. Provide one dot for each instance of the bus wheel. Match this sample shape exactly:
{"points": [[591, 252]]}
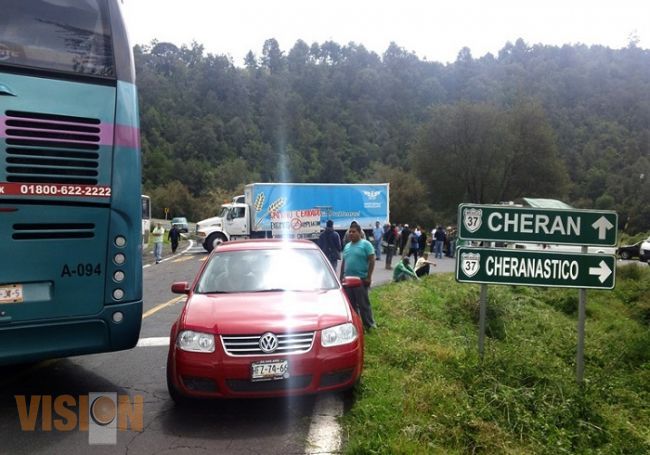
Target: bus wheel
{"points": [[213, 240]]}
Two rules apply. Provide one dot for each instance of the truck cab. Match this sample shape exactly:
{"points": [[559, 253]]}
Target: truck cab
{"points": [[233, 222]]}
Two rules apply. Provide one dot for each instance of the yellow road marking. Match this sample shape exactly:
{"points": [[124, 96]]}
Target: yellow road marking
{"points": [[203, 259], [161, 306], [182, 258]]}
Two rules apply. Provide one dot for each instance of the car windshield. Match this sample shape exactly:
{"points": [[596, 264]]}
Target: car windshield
{"points": [[266, 271], [179, 221]]}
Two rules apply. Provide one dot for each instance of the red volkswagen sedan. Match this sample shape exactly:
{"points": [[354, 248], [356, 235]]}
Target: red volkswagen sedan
{"points": [[264, 318]]}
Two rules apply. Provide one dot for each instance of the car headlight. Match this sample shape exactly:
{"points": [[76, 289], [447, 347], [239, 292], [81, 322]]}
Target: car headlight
{"points": [[195, 341], [338, 335]]}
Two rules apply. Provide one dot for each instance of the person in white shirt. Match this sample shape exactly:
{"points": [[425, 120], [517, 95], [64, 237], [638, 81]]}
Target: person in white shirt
{"points": [[423, 265]]}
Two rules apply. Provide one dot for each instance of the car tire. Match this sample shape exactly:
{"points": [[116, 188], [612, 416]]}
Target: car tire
{"points": [[349, 395], [625, 255], [174, 393]]}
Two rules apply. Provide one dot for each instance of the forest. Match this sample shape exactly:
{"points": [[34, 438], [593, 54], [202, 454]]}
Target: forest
{"points": [[569, 122]]}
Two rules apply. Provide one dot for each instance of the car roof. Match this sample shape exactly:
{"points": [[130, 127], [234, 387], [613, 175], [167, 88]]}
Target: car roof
{"points": [[266, 244]]}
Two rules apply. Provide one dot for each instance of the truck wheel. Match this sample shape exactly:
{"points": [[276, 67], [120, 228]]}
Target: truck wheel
{"points": [[213, 240], [625, 255]]}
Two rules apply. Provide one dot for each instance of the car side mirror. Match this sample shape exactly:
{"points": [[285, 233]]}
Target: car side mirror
{"points": [[181, 287], [352, 282]]}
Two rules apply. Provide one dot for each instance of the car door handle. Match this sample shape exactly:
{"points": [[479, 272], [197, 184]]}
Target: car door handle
{"points": [[6, 91]]}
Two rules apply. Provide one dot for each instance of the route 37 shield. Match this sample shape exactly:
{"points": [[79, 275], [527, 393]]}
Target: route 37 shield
{"points": [[470, 263], [472, 219]]}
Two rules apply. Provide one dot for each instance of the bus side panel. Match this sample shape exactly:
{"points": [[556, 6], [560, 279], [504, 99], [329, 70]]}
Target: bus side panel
{"points": [[126, 204]]}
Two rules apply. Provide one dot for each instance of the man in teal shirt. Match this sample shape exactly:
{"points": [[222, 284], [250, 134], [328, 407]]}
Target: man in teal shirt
{"points": [[359, 260]]}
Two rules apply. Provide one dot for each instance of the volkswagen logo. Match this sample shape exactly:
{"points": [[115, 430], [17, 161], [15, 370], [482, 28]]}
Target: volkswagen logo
{"points": [[268, 343]]}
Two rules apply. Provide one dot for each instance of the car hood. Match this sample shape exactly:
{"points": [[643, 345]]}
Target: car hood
{"points": [[251, 313]]}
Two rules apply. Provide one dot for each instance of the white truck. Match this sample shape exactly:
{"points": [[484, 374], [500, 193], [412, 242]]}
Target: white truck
{"points": [[295, 210]]}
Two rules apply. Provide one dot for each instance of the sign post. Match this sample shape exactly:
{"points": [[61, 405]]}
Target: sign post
{"points": [[499, 223]]}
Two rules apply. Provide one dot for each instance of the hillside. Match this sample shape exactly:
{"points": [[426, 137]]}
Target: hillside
{"points": [[570, 122]]}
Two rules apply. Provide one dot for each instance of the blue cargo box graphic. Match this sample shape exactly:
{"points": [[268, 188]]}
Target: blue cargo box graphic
{"points": [[339, 202]]}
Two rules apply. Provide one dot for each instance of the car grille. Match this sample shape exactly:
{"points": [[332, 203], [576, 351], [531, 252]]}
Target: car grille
{"points": [[290, 343], [241, 385]]}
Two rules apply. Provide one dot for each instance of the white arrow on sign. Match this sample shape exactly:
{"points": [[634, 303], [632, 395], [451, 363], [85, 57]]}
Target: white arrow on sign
{"points": [[602, 225], [603, 270]]}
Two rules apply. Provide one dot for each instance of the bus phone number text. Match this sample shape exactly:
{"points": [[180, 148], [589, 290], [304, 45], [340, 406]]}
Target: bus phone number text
{"points": [[53, 189]]}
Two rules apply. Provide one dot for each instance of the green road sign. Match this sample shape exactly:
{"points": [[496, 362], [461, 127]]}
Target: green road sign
{"points": [[506, 266], [499, 223]]}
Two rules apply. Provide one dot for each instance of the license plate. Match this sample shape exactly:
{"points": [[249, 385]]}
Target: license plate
{"points": [[268, 370], [11, 293]]}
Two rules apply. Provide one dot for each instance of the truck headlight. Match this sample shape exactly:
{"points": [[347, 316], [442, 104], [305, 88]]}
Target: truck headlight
{"points": [[189, 340], [338, 335]]}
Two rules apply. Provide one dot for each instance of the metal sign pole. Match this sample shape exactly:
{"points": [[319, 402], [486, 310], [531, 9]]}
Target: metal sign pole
{"points": [[481, 320], [582, 316]]}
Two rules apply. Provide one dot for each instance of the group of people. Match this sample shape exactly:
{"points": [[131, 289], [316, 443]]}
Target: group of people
{"points": [[359, 256], [157, 235], [358, 259]]}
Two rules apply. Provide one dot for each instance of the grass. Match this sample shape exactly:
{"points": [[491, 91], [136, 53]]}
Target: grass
{"points": [[425, 390]]}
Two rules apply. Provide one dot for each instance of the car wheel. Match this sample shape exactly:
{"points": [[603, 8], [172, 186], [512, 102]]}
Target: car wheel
{"points": [[174, 393], [625, 255], [349, 394]]}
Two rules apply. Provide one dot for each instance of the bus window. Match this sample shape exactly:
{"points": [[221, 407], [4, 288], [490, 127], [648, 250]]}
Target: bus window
{"points": [[70, 36]]}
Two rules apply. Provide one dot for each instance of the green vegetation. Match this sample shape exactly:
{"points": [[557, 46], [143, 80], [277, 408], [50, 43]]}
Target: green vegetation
{"points": [[424, 389], [570, 122]]}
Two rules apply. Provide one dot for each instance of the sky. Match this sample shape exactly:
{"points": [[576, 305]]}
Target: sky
{"points": [[435, 30]]}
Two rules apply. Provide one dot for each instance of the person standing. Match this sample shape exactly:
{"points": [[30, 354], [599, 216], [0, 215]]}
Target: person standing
{"points": [[390, 237], [377, 234], [359, 261], [422, 242], [174, 236], [330, 242], [403, 240], [440, 238], [412, 245], [157, 236], [346, 236]]}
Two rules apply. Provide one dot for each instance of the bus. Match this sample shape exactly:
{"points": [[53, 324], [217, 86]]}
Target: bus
{"points": [[70, 175], [146, 219]]}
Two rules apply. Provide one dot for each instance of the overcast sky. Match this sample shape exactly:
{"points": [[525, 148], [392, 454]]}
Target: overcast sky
{"points": [[432, 29]]}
